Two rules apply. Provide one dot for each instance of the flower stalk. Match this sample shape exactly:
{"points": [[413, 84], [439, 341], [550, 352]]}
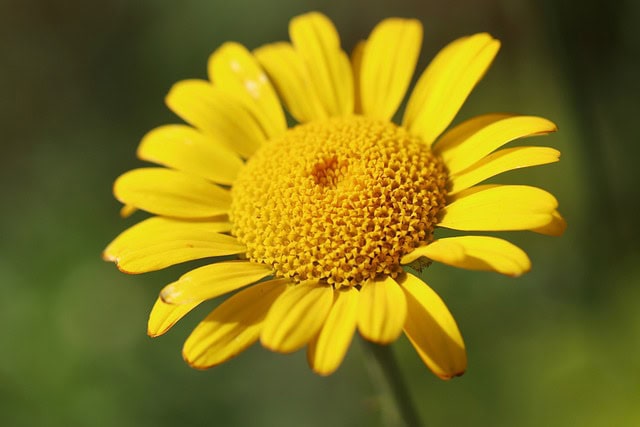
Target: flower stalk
{"points": [[398, 407]]}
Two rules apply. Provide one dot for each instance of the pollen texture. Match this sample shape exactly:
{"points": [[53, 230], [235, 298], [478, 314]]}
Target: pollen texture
{"points": [[340, 200]]}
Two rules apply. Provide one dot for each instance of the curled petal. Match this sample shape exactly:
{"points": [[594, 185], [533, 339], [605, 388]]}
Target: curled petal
{"points": [[157, 242], [475, 253], [213, 280]]}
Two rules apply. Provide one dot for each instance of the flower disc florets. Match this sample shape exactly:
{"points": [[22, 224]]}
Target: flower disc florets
{"points": [[340, 200]]}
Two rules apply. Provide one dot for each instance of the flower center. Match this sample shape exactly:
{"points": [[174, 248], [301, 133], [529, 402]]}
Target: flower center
{"points": [[339, 200]]}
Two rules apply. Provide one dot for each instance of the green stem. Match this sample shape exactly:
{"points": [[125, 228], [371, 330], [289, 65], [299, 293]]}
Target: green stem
{"points": [[386, 375]]}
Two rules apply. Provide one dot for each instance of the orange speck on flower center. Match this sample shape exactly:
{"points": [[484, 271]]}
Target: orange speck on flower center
{"points": [[339, 200]]}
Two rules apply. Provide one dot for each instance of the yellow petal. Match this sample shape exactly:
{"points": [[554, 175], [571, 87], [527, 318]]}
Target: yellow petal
{"points": [[499, 208], [171, 193], [458, 134], [213, 280], [502, 161], [432, 330], [163, 316], [216, 113], [356, 66], [232, 327], [446, 84], [326, 352], [555, 227], [476, 142], [155, 228], [475, 253], [318, 44], [296, 317], [156, 243], [388, 61], [382, 310], [233, 69], [291, 77], [184, 148]]}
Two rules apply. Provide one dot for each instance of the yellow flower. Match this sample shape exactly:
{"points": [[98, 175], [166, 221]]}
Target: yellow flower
{"points": [[322, 216]]}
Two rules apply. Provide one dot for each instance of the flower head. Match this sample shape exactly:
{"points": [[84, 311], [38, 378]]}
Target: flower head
{"points": [[321, 217]]}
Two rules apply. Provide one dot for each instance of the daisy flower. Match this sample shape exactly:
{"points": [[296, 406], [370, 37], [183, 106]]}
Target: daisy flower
{"points": [[310, 225]]}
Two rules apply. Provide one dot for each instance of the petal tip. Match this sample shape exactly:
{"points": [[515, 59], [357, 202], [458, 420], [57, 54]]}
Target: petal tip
{"points": [[555, 227], [386, 340], [116, 260], [324, 372], [125, 271], [193, 363], [152, 333], [109, 257], [197, 362], [274, 346], [516, 274], [561, 227], [449, 377]]}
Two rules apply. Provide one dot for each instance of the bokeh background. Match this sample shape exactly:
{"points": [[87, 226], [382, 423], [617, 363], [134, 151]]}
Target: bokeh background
{"points": [[83, 81]]}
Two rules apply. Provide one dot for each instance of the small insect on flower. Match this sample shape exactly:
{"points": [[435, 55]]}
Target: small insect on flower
{"points": [[321, 217]]}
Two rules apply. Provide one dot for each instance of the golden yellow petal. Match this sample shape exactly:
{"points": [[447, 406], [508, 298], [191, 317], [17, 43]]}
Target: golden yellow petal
{"points": [[232, 327], [296, 317], [318, 44], [216, 113], [171, 193], [502, 161], [446, 84], [475, 142], [163, 316], [292, 80], [460, 133], [382, 310], [388, 61], [326, 352], [475, 253], [499, 208], [156, 243], [432, 330], [233, 69], [186, 149], [213, 280]]}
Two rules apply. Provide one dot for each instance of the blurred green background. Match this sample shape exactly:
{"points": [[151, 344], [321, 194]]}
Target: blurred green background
{"points": [[83, 81]]}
